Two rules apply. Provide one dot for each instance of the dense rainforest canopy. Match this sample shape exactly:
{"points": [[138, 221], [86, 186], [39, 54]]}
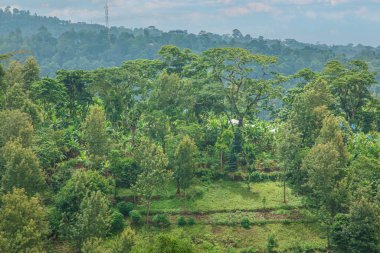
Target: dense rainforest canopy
{"points": [[203, 150]]}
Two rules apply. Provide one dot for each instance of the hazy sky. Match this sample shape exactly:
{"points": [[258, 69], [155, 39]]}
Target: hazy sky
{"points": [[324, 21]]}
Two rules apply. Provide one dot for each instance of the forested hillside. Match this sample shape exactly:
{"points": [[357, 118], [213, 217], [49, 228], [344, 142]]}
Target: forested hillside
{"points": [[142, 141], [170, 156], [60, 44]]}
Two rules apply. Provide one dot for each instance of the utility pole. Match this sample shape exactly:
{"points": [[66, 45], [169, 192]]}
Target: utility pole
{"points": [[107, 20], [106, 15]]}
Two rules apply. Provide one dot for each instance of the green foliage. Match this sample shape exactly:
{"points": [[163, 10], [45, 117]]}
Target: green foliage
{"points": [[92, 219], [22, 169], [125, 207], [124, 242], [245, 223], [31, 72], [288, 147], [169, 244], [351, 84], [116, 221], [95, 133], [195, 193], [93, 245], [50, 94], [23, 223], [324, 172], [154, 176], [145, 121], [181, 221], [161, 220], [272, 244], [358, 230], [248, 250], [184, 163], [54, 218], [135, 217], [231, 68], [191, 221], [81, 184], [309, 109], [257, 176], [364, 177], [125, 169], [49, 146], [15, 124]]}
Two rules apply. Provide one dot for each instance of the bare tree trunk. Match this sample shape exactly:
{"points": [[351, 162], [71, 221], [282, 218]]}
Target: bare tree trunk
{"points": [[147, 212], [221, 161], [249, 181]]}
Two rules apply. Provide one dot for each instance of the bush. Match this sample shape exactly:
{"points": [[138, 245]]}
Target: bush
{"points": [[161, 220], [135, 216], [258, 176], [248, 250], [272, 244], [124, 242], [196, 192], [125, 169], [93, 245], [167, 243], [245, 223], [54, 218], [191, 221], [124, 207], [181, 221], [117, 221]]}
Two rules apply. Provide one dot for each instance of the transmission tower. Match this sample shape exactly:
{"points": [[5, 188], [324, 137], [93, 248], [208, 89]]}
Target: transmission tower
{"points": [[106, 14]]}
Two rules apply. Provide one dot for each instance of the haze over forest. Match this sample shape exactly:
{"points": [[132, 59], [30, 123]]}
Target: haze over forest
{"points": [[116, 139]]}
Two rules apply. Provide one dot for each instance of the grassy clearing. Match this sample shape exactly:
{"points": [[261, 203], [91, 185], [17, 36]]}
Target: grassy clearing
{"points": [[226, 195], [234, 218], [214, 207], [222, 239]]}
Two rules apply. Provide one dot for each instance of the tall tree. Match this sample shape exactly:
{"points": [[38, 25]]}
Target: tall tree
{"points": [[309, 109], [76, 83], [174, 59], [154, 176], [244, 79], [325, 167], [14, 74], [93, 218], [351, 84], [15, 124], [22, 169], [51, 95], [70, 196], [358, 231], [23, 223], [30, 72], [184, 163], [288, 145], [17, 98], [95, 132]]}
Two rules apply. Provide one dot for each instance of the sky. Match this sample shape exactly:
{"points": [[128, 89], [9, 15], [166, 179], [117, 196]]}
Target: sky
{"points": [[314, 21]]}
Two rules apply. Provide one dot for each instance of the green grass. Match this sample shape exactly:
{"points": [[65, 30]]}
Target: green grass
{"points": [[234, 218], [219, 208], [221, 239], [226, 195]]}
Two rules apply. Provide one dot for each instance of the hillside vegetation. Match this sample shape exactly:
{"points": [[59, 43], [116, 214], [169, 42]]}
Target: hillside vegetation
{"points": [[192, 151], [59, 44]]}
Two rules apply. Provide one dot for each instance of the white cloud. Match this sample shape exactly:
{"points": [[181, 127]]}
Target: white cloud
{"points": [[258, 7]]}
